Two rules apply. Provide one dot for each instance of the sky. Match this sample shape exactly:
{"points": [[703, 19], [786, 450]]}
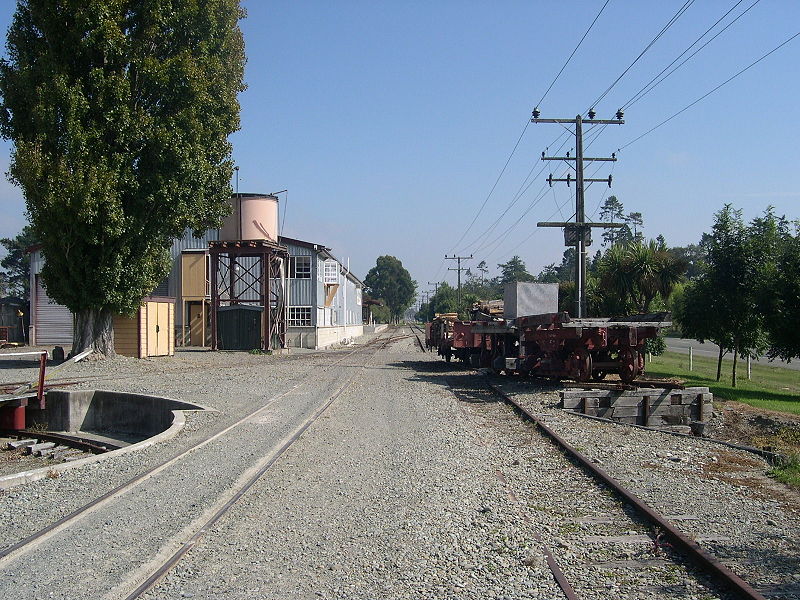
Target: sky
{"points": [[390, 122]]}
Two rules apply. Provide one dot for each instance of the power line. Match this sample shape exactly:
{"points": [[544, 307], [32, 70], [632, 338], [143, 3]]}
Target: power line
{"points": [[707, 94], [669, 24], [496, 181], [527, 123], [649, 88], [552, 83], [520, 192]]}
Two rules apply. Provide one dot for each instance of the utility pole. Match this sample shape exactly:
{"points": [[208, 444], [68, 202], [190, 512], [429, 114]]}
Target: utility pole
{"points": [[579, 233], [436, 287], [459, 269]]}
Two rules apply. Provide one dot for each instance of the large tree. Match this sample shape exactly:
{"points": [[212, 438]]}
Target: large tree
{"points": [[727, 300], [392, 283], [514, 270], [17, 261], [120, 112]]}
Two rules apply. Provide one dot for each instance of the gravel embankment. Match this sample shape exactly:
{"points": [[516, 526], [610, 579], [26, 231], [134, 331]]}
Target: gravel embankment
{"points": [[402, 489], [721, 497], [119, 538], [388, 495]]}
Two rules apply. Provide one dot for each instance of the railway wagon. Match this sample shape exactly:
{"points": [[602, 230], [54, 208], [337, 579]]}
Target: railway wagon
{"points": [[439, 334], [555, 345]]}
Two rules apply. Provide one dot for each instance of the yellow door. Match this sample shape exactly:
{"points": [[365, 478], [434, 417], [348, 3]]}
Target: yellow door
{"points": [[196, 325], [152, 328], [163, 329]]}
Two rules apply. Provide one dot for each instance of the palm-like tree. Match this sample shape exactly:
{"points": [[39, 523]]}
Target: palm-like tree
{"points": [[634, 274]]}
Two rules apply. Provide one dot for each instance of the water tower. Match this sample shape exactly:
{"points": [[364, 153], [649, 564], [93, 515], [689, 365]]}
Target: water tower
{"points": [[249, 292]]}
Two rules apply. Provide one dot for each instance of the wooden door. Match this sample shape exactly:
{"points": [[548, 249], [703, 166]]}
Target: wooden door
{"points": [[152, 328], [196, 325], [162, 328]]}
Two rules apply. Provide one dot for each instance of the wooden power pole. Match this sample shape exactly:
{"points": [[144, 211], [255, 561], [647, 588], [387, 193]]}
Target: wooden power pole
{"points": [[579, 233], [459, 269]]}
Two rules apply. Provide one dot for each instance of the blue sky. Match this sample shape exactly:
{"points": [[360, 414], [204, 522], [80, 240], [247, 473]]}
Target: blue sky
{"points": [[389, 122]]}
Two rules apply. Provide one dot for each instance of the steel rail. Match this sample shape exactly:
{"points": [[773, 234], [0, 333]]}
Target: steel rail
{"points": [[678, 539], [167, 566], [73, 441], [136, 479]]}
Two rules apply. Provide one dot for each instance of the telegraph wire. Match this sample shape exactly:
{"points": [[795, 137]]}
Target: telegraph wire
{"points": [[552, 83], [649, 88], [495, 242], [707, 94], [536, 229], [527, 123], [669, 24], [520, 192], [496, 181]]}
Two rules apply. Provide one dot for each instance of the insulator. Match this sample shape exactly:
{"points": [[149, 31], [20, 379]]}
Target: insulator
{"points": [[536, 113], [592, 114], [620, 114]]}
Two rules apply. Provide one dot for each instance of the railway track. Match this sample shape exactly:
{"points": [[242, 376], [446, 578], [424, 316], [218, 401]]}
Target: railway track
{"points": [[13, 554], [630, 522]]}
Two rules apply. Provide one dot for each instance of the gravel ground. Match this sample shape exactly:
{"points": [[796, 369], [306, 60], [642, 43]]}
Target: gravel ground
{"points": [[388, 495], [721, 497], [402, 489], [110, 542]]}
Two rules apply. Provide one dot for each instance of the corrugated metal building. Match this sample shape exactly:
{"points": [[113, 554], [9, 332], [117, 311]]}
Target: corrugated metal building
{"points": [[324, 298]]}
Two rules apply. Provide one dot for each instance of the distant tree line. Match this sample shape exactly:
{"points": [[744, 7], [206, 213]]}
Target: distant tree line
{"points": [[738, 287]]}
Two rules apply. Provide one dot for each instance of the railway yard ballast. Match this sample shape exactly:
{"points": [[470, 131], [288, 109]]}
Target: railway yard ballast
{"points": [[379, 470]]}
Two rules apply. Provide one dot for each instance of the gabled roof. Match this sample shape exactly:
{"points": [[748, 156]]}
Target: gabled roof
{"points": [[321, 249]]}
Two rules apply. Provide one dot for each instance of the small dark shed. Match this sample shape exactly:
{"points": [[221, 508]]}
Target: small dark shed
{"points": [[13, 320], [239, 327]]}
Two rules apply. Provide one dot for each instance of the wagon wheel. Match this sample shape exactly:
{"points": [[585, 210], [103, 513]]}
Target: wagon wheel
{"points": [[629, 364], [580, 365]]}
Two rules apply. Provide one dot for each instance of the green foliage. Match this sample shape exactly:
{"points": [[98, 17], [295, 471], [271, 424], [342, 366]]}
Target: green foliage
{"points": [[120, 113], [781, 298], [17, 262], [631, 277], [392, 283], [563, 272], [788, 470], [734, 300], [381, 314], [655, 346], [514, 270]]}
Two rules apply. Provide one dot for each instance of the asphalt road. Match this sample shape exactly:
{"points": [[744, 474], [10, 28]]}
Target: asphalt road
{"points": [[712, 350]]}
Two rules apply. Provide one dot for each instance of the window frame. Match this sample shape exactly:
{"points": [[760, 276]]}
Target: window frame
{"points": [[292, 320], [306, 271]]}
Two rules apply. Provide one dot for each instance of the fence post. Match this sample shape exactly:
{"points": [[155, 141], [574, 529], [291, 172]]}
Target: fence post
{"points": [[690, 358]]}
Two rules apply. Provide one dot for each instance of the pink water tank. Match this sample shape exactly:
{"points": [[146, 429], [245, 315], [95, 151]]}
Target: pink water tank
{"points": [[253, 217]]}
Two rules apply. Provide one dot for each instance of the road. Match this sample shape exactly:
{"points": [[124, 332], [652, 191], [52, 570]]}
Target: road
{"points": [[712, 350]]}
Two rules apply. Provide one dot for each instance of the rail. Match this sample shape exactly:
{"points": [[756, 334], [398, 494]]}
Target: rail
{"points": [[678, 539]]}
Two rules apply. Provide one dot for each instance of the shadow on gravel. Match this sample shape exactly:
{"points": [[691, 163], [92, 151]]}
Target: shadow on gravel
{"points": [[467, 386]]}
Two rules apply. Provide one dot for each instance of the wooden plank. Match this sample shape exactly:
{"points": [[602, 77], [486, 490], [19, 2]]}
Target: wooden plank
{"points": [[17, 444], [34, 448]]}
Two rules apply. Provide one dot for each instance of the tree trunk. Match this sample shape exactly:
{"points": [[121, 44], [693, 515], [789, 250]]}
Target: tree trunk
{"points": [[719, 362], [733, 376], [94, 331]]}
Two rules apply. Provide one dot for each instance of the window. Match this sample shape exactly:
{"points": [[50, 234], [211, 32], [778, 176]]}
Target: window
{"points": [[331, 272], [300, 267], [299, 316]]}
